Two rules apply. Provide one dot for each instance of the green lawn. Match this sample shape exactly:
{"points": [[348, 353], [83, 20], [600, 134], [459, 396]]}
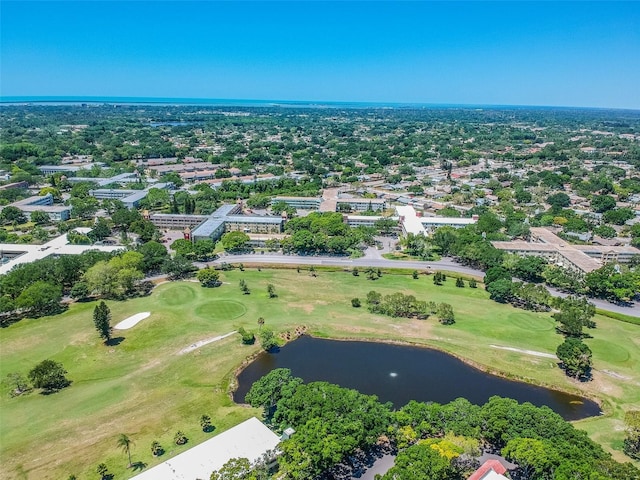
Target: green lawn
{"points": [[143, 387]]}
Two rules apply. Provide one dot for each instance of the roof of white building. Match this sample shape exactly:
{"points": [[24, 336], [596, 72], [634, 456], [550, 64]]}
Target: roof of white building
{"points": [[250, 439], [410, 221], [58, 246]]}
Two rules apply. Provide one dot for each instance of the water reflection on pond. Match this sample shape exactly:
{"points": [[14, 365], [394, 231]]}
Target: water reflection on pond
{"points": [[398, 374]]}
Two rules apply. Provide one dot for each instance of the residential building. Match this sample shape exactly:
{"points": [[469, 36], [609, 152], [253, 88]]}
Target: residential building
{"points": [[579, 258], [301, 203], [251, 440], [362, 204], [13, 254], [43, 203]]}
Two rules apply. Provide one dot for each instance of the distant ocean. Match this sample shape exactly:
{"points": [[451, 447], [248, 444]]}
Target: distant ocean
{"points": [[221, 102], [196, 101]]}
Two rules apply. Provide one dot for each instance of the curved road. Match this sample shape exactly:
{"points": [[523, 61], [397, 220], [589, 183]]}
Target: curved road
{"points": [[373, 259]]}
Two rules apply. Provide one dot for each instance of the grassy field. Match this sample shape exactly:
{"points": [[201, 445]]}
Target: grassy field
{"points": [[145, 388]]}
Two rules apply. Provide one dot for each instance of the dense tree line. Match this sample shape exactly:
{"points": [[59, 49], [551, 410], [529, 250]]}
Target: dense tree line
{"points": [[324, 233], [434, 441]]}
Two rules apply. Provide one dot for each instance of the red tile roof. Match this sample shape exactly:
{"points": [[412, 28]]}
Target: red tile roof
{"points": [[486, 467]]}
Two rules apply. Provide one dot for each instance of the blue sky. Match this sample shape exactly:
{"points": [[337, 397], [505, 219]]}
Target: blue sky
{"points": [[504, 53]]}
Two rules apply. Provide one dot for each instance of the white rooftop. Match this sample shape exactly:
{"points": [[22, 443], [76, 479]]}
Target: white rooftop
{"points": [[250, 439], [410, 221], [447, 221], [58, 246]]}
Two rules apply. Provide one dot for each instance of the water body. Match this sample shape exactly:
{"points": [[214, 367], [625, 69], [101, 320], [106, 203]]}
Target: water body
{"points": [[398, 374]]}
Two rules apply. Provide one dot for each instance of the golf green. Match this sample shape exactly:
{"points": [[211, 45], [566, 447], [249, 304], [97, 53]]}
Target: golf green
{"points": [[221, 310]]}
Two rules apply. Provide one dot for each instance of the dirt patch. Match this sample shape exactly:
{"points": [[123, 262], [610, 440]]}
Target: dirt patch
{"points": [[195, 346], [526, 352], [305, 307]]}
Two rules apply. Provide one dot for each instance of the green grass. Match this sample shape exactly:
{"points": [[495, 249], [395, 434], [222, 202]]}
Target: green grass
{"points": [[144, 388], [619, 316]]}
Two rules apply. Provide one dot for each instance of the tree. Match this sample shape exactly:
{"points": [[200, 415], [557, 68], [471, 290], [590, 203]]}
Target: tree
{"points": [[248, 338], [575, 357], [235, 241], [268, 390], [183, 247], [473, 283], [618, 216], [205, 423], [103, 471], [459, 282], [234, 469], [40, 298], [102, 319], [530, 268], [124, 442], [488, 223], [268, 339], [632, 440], [79, 290], [496, 273], [420, 462], [575, 313], [260, 322], [355, 302], [605, 231], [445, 314], [500, 290], [385, 225], [204, 250], [244, 287], [414, 274], [271, 290], [154, 255], [178, 267], [49, 376], [12, 215], [208, 277], [602, 203], [100, 230], [559, 200], [536, 458], [40, 217]]}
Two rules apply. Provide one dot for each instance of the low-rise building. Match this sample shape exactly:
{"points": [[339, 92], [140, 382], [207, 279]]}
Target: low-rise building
{"points": [[301, 203], [13, 254], [362, 204], [251, 440], [579, 258], [43, 203]]}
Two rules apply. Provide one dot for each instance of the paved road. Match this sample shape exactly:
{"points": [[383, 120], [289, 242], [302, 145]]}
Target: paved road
{"points": [[373, 258]]}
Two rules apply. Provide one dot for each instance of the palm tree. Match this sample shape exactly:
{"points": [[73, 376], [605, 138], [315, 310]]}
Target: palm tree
{"points": [[125, 443]]}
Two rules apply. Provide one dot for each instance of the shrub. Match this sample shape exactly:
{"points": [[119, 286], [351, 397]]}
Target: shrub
{"points": [[180, 438], [248, 338], [355, 302], [156, 449]]}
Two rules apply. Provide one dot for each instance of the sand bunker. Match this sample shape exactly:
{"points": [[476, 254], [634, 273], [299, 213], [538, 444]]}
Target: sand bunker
{"points": [[132, 321], [199, 344]]}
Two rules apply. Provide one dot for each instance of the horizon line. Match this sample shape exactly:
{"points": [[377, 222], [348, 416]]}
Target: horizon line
{"points": [[203, 101]]}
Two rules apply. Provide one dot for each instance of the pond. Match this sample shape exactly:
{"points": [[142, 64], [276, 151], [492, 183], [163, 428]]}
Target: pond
{"points": [[399, 373]]}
